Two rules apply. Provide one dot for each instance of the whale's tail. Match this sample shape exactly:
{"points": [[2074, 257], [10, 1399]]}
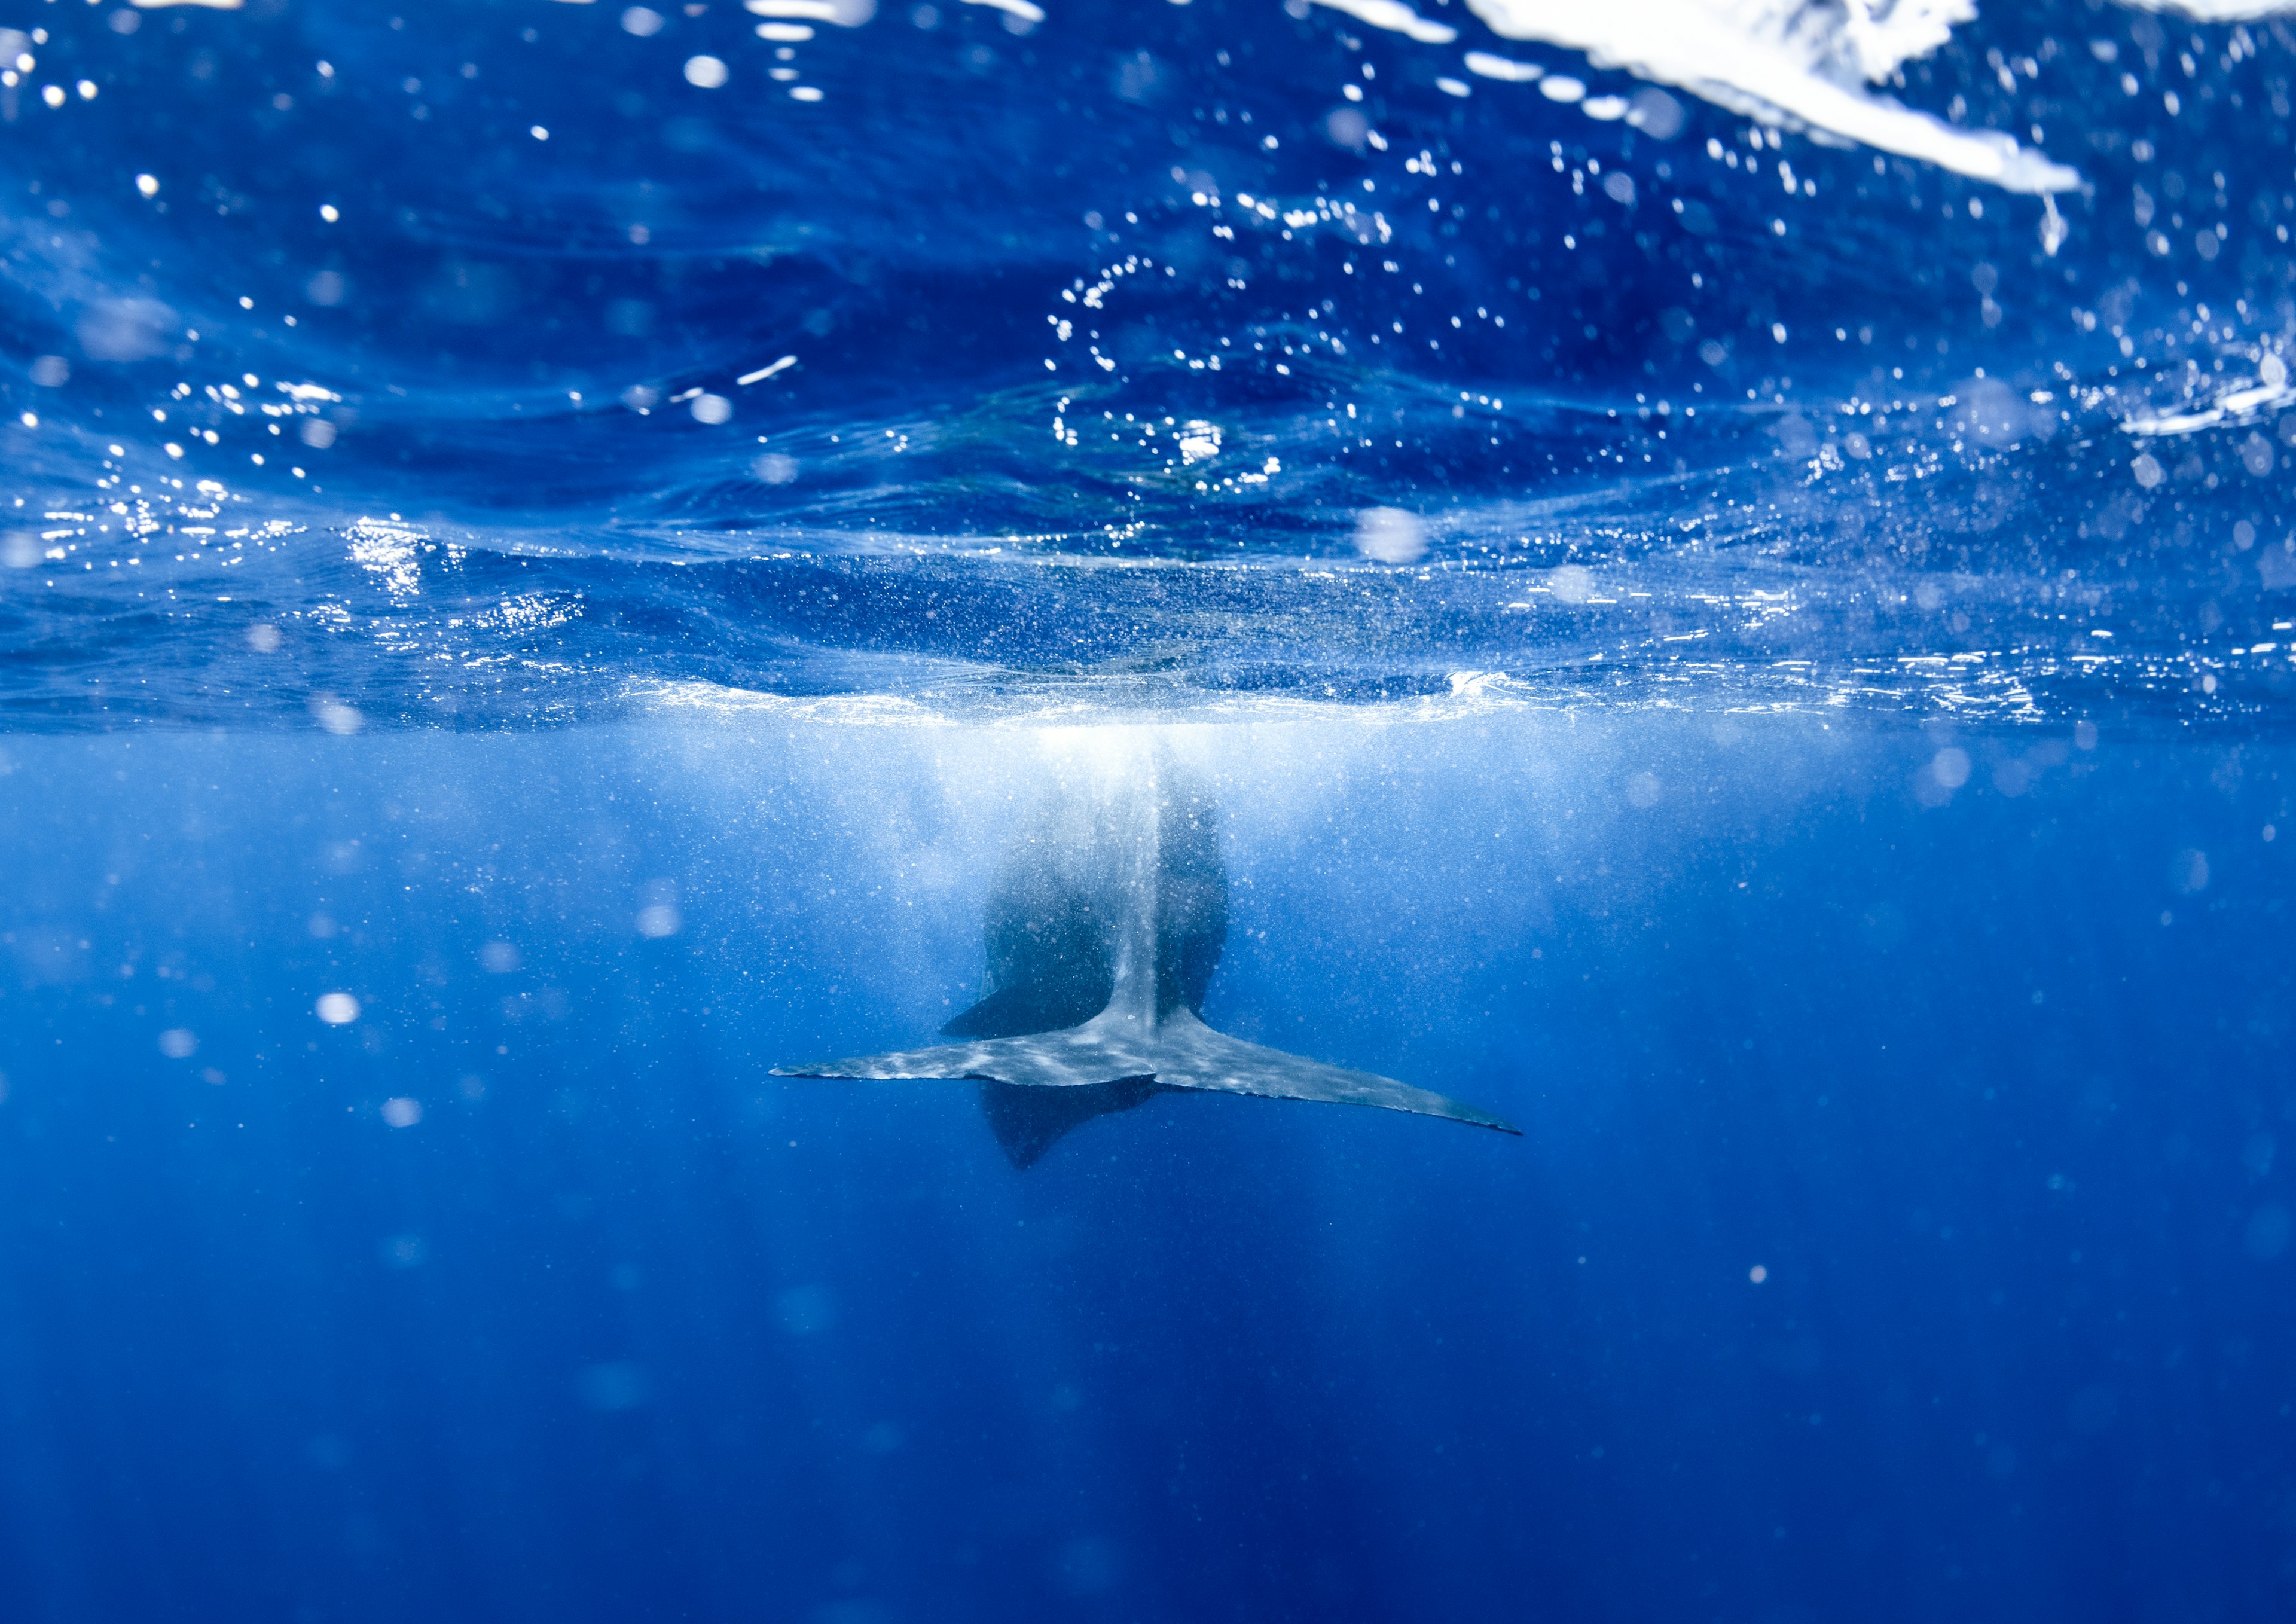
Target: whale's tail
{"points": [[1037, 1087], [1105, 925]]}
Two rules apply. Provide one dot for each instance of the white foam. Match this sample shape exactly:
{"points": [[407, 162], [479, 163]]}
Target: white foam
{"points": [[1396, 18], [844, 14], [1795, 63], [1492, 67], [2217, 11], [2246, 401]]}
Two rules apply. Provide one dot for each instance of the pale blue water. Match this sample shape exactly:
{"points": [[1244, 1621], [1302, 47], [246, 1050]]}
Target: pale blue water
{"points": [[534, 525]]}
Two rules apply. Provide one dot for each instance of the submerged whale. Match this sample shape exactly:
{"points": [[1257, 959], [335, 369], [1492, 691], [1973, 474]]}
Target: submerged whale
{"points": [[1104, 924]]}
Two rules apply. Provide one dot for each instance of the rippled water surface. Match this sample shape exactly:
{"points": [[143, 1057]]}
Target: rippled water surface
{"points": [[508, 362]]}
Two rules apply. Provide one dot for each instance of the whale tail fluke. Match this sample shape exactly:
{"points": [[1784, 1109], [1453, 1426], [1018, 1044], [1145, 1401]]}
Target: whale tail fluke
{"points": [[1038, 1088]]}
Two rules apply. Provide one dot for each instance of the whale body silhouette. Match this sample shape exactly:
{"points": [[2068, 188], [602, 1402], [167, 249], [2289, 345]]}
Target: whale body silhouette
{"points": [[1103, 925]]}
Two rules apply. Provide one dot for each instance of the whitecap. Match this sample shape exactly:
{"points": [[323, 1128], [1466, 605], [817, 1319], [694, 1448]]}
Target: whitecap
{"points": [[1396, 18], [1794, 64]]}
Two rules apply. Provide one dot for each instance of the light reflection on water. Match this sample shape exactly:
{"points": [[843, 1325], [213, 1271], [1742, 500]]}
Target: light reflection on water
{"points": [[1370, 327]]}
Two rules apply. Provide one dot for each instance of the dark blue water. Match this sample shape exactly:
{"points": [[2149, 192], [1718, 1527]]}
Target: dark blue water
{"points": [[1993, 1096], [1731, 577]]}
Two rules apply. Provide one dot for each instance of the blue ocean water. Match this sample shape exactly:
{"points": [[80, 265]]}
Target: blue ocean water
{"points": [[1729, 569]]}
